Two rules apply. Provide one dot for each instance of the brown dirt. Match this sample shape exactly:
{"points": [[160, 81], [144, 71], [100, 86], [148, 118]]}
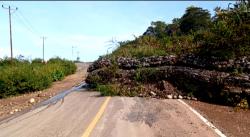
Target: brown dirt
{"points": [[19, 103], [231, 121]]}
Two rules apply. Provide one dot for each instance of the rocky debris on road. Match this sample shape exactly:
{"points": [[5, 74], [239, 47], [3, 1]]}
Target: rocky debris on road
{"points": [[207, 85], [152, 93], [209, 79], [169, 96], [180, 97]]}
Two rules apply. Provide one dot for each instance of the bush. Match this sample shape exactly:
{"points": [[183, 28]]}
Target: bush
{"points": [[37, 60], [18, 77], [102, 76], [107, 90], [148, 75], [118, 90]]}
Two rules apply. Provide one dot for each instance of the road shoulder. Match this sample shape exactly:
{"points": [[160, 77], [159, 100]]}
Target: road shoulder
{"points": [[232, 122]]}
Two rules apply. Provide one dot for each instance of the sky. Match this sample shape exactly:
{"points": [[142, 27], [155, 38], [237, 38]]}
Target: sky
{"points": [[84, 27]]}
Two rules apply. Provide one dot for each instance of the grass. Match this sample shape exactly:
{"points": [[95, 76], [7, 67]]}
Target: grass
{"points": [[119, 90], [138, 51], [108, 90]]}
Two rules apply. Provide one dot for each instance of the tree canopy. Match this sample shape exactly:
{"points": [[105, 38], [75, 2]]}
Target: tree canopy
{"points": [[194, 19]]}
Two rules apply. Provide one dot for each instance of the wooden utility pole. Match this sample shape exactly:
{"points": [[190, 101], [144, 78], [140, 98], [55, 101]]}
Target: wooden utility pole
{"points": [[73, 52], [43, 48], [9, 8]]}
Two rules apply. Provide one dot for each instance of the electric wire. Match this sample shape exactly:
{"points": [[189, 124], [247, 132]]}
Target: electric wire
{"points": [[22, 20], [28, 22]]}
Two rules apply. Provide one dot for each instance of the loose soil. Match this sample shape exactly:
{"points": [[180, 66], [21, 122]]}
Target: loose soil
{"points": [[11, 105], [231, 121]]}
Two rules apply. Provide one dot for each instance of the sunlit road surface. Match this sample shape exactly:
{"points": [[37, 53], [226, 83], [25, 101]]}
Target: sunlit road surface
{"points": [[74, 116]]}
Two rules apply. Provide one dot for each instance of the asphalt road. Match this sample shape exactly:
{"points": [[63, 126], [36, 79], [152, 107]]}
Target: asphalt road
{"points": [[122, 117], [85, 114]]}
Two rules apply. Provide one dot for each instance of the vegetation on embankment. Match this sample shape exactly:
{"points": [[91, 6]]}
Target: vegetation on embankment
{"points": [[206, 57], [226, 35], [21, 76]]}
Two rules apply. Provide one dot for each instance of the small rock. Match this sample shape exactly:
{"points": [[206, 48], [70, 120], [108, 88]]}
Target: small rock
{"points": [[152, 93], [16, 110], [11, 112], [174, 97], [169, 96], [193, 98], [180, 97], [32, 100], [185, 97], [40, 95], [189, 98]]}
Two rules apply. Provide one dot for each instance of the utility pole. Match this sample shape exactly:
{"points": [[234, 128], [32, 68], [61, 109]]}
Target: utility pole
{"points": [[73, 52], [43, 47], [13, 9], [78, 58]]}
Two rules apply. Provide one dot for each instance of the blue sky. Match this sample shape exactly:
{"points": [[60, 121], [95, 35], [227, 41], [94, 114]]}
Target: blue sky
{"points": [[88, 26]]}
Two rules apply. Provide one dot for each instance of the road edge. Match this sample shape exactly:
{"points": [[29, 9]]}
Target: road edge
{"points": [[209, 124]]}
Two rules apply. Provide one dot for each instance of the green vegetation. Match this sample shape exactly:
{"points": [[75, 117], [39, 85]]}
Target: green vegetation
{"points": [[141, 47], [21, 76], [223, 36], [119, 90], [107, 90], [147, 75]]}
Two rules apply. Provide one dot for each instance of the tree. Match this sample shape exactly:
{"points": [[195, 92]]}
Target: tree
{"points": [[194, 19], [174, 28], [157, 29]]}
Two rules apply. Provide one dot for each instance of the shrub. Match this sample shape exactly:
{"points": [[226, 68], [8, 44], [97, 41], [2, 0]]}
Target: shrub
{"points": [[148, 75], [18, 77], [102, 76], [37, 60], [107, 90]]}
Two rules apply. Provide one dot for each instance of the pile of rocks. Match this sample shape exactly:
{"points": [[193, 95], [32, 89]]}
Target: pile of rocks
{"points": [[133, 63], [153, 61], [189, 60], [100, 63], [213, 78], [208, 78], [241, 63]]}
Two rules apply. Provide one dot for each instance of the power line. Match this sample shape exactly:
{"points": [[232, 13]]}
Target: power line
{"points": [[28, 22], [25, 22], [19, 19], [27, 25]]}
